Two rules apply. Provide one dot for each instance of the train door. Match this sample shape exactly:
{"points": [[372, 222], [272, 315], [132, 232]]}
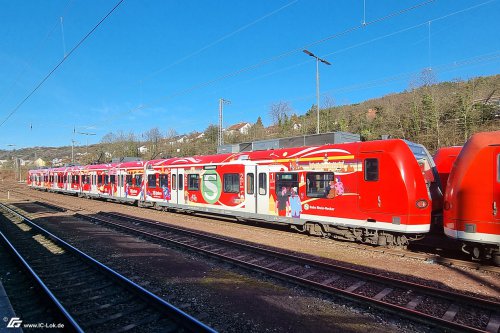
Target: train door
{"points": [[250, 189], [178, 186], [93, 182], [496, 183], [370, 183], [263, 189], [120, 183]]}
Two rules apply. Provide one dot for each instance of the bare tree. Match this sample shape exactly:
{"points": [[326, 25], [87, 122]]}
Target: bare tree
{"points": [[279, 112]]}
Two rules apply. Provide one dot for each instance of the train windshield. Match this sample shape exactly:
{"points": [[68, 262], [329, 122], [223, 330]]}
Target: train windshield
{"points": [[424, 160]]}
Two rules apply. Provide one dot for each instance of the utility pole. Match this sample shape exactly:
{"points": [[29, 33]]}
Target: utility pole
{"points": [[318, 59], [220, 139], [72, 151]]}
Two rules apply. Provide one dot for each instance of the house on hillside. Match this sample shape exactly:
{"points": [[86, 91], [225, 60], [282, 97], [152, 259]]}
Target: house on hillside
{"points": [[39, 163], [371, 114], [142, 149], [241, 128], [57, 162]]}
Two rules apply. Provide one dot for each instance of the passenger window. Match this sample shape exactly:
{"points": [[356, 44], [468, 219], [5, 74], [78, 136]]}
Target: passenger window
{"points": [[262, 183], [174, 182], [163, 180], [181, 182], [250, 183], [232, 183], [371, 169], [138, 180], [112, 179], [129, 180], [285, 182], [319, 184], [152, 180], [193, 182]]}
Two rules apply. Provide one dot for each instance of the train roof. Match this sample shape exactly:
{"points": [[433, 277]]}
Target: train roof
{"points": [[350, 148]]}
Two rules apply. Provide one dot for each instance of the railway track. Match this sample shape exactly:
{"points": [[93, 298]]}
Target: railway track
{"points": [[424, 253], [431, 306], [94, 297], [30, 298]]}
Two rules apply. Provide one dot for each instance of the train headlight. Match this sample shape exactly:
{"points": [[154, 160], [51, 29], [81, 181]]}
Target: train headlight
{"points": [[422, 203]]}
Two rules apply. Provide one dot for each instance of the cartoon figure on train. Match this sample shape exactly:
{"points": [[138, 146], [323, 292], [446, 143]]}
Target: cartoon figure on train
{"points": [[294, 203], [282, 204]]}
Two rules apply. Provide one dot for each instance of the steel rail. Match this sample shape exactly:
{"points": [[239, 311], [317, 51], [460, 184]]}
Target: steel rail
{"points": [[393, 308], [53, 299], [189, 322], [434, 257], [491, 305]]}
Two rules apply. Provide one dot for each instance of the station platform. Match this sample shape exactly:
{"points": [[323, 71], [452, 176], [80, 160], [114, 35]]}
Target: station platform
{"points": [[6, 313]]}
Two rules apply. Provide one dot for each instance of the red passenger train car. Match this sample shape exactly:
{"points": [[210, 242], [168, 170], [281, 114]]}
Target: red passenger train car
{"points": [[444, 159], [472, 197], [376, 192]]}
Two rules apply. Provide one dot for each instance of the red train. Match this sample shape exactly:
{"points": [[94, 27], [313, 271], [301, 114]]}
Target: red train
{"points": [[373, 192], [472, 198], [377, 192], [444, 159]]}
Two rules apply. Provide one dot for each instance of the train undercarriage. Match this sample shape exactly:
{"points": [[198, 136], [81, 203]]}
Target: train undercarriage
{"points": [[480, 251], [361, 235]]}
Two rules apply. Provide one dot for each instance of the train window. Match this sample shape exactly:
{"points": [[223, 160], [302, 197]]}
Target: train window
{"points": [[181, 182], [128, 179], [163, 180], [250, 183], [100, 180], [286, 181], [138, 179], [112, 179], [262, 183], [371, 169], [152, 180], [174, 182], [319, 184], [106, 179], [232, 183], [193, 182]]}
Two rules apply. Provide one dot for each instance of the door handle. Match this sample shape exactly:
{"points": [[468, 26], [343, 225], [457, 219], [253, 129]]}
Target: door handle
{"points": [[379, 201], [495, 208]]}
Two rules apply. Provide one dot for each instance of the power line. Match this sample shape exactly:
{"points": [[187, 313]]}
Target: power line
{"points": [[60, 63], [282, 55], [218, 41], [35, 53]]}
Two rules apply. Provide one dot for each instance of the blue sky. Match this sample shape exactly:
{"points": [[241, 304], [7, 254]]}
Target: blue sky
{"points": [[165, 64]]}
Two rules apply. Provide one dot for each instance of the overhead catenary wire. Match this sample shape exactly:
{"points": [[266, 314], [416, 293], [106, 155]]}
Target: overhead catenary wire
{"points": [[60, 63], [209, 45], [34, 54], [280, 56]]}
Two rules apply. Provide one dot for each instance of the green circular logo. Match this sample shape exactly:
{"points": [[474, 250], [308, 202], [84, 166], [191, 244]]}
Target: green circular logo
{"points": [[211, 186]]}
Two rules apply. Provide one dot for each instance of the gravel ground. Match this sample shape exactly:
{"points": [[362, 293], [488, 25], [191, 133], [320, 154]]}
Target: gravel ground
{"points": [[226, 298], [208, 291]]}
